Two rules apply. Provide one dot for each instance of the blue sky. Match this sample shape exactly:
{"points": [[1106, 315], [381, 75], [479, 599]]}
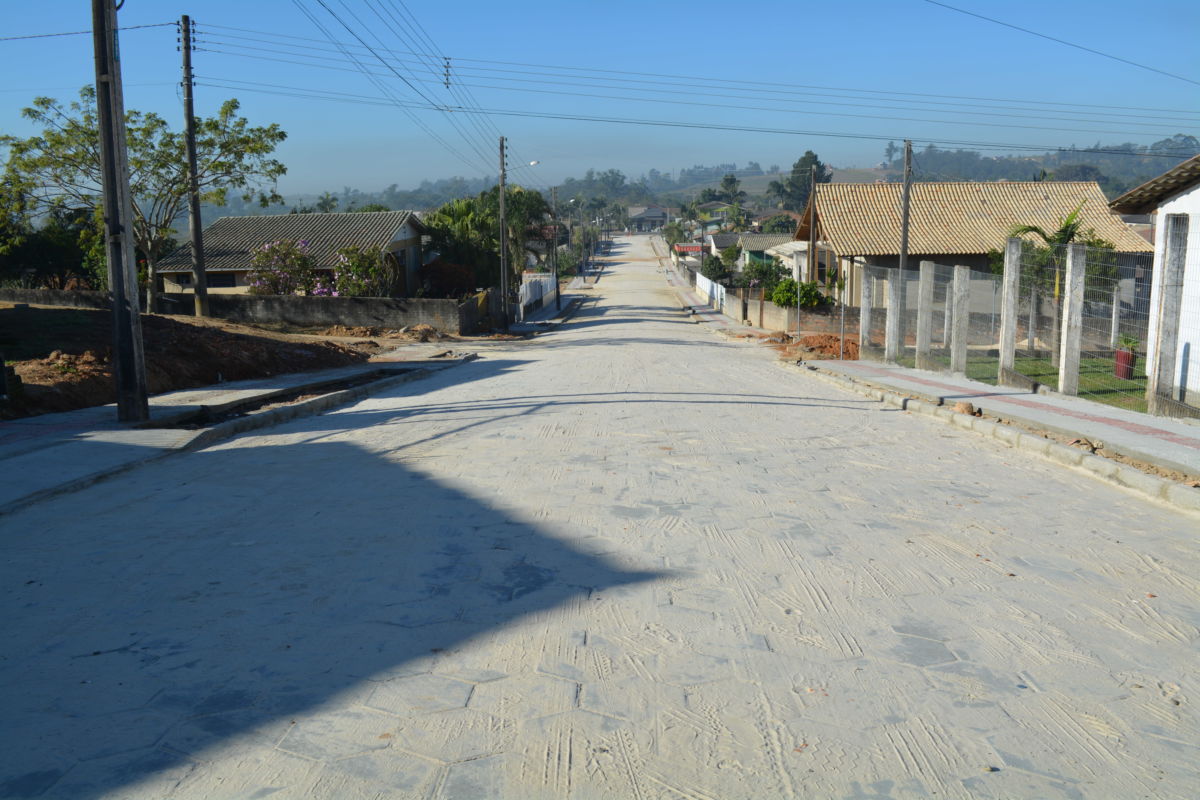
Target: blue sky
{"points": [[835, 68]]}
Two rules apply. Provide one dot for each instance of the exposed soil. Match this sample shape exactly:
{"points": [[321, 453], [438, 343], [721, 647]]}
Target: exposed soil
{"points": [[63, 356], [414, 333], [812, 347]]}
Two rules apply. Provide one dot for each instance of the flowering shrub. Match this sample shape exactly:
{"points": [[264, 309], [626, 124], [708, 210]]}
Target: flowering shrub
{"points": [[360, 272], [282, 267]]}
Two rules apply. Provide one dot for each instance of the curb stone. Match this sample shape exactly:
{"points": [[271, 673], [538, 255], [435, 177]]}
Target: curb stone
{"points": [[1176, 495], [230, 428]]}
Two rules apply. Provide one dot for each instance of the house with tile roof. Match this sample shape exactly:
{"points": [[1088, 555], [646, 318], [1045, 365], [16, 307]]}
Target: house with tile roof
{"points": [[647, 218], [229, 244], [1174, 199], [949, 223]]}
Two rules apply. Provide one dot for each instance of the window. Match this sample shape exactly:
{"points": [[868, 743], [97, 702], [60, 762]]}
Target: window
{"points": [[221, 280]]}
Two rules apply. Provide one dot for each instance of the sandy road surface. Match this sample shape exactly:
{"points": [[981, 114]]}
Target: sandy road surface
{"points": [[629, 559]]}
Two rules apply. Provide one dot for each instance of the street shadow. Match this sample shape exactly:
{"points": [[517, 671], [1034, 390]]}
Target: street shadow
{"points": [[245, 587]]}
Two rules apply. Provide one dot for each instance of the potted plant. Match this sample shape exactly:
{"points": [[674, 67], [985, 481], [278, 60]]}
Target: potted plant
{"points": [[1125, 357]]}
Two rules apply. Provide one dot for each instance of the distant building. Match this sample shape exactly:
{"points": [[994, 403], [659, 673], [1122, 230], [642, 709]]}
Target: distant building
{"points": [[647, 218]]}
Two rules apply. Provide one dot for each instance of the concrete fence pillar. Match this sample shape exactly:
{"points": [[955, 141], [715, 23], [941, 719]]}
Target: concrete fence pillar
{"points": [[1114, 335], [960, 300], [864, 314], [1160, 377], [925, 315], [1011, 283], [1071, 334], [893, 343]]}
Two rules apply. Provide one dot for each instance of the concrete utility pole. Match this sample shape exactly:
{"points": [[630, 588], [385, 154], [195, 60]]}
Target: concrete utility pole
{"points": [[904, 195], [554, 257], [503, 247], [193, 188], [199, 280], [129, 364], [900, 296]]}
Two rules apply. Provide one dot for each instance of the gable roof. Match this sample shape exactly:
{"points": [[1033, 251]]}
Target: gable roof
{"points": [[863, 219], [724, 240], [229, 242], [637, 211], [1147, 197], [762, 241]]}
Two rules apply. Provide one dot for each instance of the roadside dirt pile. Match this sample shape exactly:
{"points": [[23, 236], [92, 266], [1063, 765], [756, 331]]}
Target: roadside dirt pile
{"points": [[63, 357]]}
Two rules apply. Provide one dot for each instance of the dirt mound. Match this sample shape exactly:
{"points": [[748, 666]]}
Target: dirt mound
{"points": [[358, 331], [818, 346], [421, 333], [63, 357], [826, 345]]}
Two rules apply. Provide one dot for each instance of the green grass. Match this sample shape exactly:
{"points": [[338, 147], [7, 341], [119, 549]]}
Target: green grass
{"points": [[1096, 379]]}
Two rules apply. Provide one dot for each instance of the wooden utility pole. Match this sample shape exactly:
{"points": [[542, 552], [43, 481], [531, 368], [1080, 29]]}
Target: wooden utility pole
{"points": [[199, 280], [503, 247], [129, 364]]}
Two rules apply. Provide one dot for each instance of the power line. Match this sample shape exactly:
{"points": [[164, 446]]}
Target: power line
{"points": [[1158, 129], [954, 108], [82, 33], [303, 92], [752, 85], [1064, 42]]}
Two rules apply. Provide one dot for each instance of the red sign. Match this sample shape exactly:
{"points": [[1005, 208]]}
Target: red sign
{"points": [[688, 248]]}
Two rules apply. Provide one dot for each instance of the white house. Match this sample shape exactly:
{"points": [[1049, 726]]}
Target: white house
{"points": [[1173, 344]]}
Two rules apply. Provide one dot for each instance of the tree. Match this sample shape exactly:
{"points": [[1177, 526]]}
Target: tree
{"points": [[370, 207], [714, 269], [327, 203], [673, 233], [890, 151], [61, 166], [792, 192], [780, 223], [731, 191], [1078, 172]]}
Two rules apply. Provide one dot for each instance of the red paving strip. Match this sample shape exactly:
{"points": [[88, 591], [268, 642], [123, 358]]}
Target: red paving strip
{"points": [[1132, 427]]}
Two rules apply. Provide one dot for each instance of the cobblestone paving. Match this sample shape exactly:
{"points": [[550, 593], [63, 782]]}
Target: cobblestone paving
{"points": [[628, 559]]}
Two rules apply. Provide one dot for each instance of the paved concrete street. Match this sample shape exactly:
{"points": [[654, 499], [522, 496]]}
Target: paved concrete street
{"points": [[627, 559]]}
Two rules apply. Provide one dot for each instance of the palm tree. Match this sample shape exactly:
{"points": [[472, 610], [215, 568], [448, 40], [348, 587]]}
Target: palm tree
{"points": [[1069, 229]]}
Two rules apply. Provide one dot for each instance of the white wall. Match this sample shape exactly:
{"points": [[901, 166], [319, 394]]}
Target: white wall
{"points": [[1187, 356]]}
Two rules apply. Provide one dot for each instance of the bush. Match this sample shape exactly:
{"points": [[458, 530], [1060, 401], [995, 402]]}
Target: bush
{"points": [[789, 294], [714, 269], [282, 267]]}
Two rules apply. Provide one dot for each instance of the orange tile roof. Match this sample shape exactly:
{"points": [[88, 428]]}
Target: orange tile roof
{"points": [[863, 219]]}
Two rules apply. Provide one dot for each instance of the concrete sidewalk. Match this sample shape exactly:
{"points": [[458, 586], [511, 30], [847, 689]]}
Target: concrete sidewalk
{"points": [[1164, 443], [50, 454]]}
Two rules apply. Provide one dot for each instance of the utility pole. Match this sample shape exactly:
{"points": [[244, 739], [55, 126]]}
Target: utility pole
{"points": [[554, 257], [904, 206], [812, 225], [503, 247], [129, 364], [199, 279]]}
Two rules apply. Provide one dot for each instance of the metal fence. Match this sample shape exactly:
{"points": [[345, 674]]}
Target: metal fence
{"points": [[1111, 313]]}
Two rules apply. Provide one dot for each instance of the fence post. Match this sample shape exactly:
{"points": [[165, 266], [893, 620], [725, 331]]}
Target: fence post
{"points": [[864, 312], [1160, 377], [925, 315], [1071, 330], [892, 343], [1011, 283], [1114, 336], [960, 293]]}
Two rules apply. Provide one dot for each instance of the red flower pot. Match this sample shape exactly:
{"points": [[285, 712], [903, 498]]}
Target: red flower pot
{"points": [[1123, 364]]}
